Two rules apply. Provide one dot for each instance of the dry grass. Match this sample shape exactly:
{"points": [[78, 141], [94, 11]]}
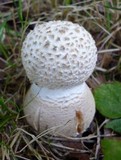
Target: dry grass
{"points": [[103, 20]]}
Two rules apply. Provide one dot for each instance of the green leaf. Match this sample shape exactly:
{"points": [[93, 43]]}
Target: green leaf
{"points": [[2, 29], [115, 125], [111, 7], [67, 2], [108, 16], [108, 100], [111, 149]]}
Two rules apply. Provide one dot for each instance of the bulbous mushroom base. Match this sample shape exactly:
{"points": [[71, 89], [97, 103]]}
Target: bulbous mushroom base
{"points": [[61, 112]]}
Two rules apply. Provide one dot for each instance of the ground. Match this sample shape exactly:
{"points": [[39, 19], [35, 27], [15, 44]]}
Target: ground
{"points": [[17, 139]]}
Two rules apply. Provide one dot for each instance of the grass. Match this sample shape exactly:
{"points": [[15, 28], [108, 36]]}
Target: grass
{"points": [[102, 20]]}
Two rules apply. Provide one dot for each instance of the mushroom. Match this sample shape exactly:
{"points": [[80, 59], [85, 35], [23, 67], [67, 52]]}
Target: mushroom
{"points": [[58, 57]]}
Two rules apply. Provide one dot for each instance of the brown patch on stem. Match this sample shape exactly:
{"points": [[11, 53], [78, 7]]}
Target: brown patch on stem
{"points": [[79, 120]]}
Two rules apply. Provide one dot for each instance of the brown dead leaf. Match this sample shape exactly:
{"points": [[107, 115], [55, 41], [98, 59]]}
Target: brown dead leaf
{"points": [[74, 155], [106, 60], [2, 63], [78, 156], [93, 84]]}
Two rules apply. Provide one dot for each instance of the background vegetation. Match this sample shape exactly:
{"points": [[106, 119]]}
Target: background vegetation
{"points": [[102, 140]]}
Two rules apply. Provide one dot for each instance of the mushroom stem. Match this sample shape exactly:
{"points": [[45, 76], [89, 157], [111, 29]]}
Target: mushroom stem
{"points": [[63, 111]]}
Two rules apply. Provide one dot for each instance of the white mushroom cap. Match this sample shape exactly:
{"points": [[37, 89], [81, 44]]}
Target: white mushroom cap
{"points": [[58, 54], [63, 111]]}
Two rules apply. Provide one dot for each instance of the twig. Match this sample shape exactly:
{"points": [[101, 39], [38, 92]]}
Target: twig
{"points": [[105, 70], [98, 143], [109, 50]]}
